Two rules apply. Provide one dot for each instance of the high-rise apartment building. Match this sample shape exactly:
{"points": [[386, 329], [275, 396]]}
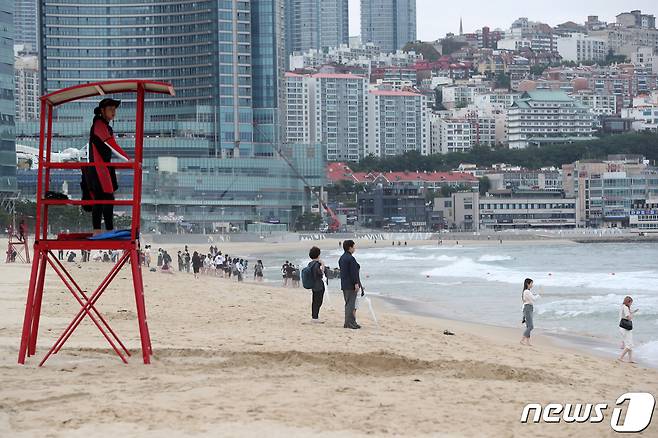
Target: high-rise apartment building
{"points": [[389, 24], [398, 122], [329, 109], [26, 89]]}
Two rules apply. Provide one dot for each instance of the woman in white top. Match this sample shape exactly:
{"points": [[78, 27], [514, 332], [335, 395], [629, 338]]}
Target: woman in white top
{"points": [[528, 307], [627, 335]]}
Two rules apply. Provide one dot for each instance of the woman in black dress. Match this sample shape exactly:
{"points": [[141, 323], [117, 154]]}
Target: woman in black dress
{"points": [[100, 181]]}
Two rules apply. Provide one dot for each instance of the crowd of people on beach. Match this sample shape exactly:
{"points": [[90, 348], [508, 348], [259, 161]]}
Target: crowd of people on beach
{"points": [[213, 263]]}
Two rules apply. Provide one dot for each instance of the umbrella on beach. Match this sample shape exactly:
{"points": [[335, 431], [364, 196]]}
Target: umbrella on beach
{"points": [[326, 288], [372, 310]]}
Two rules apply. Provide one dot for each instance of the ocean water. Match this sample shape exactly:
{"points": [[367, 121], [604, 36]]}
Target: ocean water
{"points": [[582, 286]]}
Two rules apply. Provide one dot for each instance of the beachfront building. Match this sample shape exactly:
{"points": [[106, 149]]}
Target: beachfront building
{"points": [[544, 117], [393, 207], [7, 109], [525, 179], [605, 191], [315, 24], [210, 152], [459, 211], [644, 215], [519, 209], [389, 24], [26, 88], [327, 109], [397, 122], [582, 48]]}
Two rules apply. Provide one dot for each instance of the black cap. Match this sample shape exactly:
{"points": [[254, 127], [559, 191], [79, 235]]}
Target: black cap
{"points": [[109, 102]]}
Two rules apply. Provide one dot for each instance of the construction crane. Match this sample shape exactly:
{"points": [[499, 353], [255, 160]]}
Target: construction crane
{"points": [[334, 223]]}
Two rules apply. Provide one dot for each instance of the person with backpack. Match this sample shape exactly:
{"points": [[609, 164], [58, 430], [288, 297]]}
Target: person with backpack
{"points": [[312, 279]]}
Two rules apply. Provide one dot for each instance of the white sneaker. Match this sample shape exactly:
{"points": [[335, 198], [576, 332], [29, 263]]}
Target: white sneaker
{"points": [[317, 321]]}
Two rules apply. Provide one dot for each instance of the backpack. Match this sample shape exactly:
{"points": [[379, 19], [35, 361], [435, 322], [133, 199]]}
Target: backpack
{"points": [[308, 280]]}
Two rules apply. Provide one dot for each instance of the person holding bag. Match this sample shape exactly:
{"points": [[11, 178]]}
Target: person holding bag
{"points": [[626, 329]]}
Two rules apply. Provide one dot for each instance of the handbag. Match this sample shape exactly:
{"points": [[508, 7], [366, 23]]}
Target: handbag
{"points": [[626, 324]]}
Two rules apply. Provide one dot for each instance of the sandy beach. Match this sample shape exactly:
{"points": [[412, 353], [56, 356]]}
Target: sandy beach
{"points": [[244, 360]]}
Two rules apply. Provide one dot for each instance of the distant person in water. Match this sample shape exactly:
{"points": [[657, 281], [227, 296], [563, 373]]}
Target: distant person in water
{"points": [[626, 329], [528, 299]]}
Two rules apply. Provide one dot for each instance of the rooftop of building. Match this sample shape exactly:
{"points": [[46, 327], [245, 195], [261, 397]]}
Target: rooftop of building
{"points": [[342, 172], [394, 93]]}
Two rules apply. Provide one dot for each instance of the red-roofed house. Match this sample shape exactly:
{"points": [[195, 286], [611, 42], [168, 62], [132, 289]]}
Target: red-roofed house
{"points": [[427, 180]]}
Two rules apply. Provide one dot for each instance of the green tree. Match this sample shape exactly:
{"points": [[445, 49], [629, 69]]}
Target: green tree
{"points": [[426, 49], [308, 222], [645, 144], [503, 80], [485, 185], [538, 69]]}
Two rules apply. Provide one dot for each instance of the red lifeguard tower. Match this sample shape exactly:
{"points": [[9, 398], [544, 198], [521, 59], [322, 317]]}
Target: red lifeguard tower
{"points": [[43, 246]]}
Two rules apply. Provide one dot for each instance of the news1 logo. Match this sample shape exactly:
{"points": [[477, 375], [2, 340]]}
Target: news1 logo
{"points": [[639, 412]]}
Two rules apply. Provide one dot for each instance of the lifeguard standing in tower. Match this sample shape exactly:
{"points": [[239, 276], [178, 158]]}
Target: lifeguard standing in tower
{"points": [[99, 184]]}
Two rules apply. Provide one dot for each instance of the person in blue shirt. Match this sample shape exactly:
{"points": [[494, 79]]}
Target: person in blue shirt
{"points": [[350, 283]]}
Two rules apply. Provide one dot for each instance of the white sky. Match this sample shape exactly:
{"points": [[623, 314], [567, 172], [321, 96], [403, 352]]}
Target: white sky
{"points": [[437, 17]]}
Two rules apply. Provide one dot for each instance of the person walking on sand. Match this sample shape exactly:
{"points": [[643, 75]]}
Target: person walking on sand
{"points": [[196, 264], [626, 329], [350, 283], [528, 308]]}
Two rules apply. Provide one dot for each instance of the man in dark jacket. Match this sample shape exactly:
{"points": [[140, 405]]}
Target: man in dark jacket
{"points": [[350, 283]]}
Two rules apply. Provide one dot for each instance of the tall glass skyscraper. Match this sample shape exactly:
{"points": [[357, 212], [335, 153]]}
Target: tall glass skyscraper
{"points": [[210, 151], [25, 23], [389, 24], [7, 147], [316, 24]]}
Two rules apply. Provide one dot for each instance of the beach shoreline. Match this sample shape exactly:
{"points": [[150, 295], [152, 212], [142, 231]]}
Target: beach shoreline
{"points": [[244, 359]]}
